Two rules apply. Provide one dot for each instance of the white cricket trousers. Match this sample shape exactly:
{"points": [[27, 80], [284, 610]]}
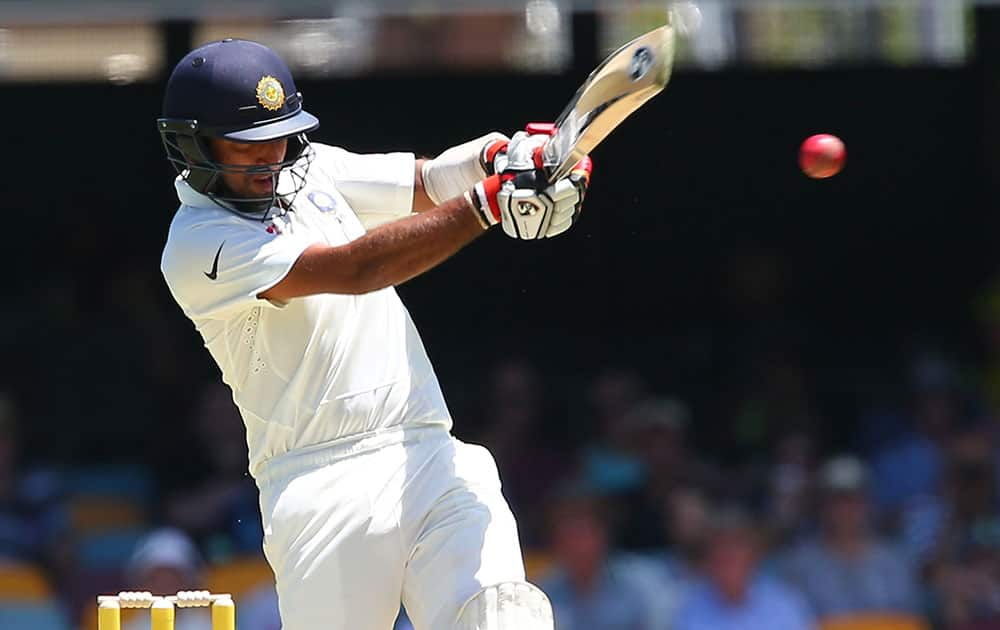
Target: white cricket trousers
{"points": [[412, 515]]}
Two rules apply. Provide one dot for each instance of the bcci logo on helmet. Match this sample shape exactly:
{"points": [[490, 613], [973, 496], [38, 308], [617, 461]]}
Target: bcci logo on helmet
{"points": [[270, 94], [641, 62]]}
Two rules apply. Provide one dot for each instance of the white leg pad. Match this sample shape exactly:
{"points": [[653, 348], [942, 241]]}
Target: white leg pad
{"points": [[507, 606]]}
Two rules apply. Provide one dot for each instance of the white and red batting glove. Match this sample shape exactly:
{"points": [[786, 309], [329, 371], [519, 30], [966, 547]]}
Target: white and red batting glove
{"points": [[519, 196], [452, 173]]}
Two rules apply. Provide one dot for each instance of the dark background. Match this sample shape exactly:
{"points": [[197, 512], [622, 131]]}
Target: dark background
{"points": [[700, 237]]}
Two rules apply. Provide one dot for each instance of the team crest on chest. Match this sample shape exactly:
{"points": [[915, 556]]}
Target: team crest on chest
{"points": [[323, 201], [270, 94]]}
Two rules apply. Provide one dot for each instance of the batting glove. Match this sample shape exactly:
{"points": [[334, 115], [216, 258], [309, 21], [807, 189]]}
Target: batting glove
{"points": [[522, 200]]}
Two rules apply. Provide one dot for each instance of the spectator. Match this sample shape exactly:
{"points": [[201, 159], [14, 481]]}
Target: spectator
{"points": [[529, 464], [776, 399], [846, 569], [988, 315], [790, 485], [32, 521], [165, 562], [609, 465], [675, 570], [686, 522], [658, 439], [733, 595], [964, 562], [221, 508], [258, 609], [588, 587], [659, 436], [912, 465]]}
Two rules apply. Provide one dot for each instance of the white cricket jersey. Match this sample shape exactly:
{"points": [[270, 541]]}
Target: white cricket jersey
{"points": [[317, 368]]}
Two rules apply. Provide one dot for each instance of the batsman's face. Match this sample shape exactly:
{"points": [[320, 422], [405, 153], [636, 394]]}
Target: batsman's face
{"points": [[248, 158]]}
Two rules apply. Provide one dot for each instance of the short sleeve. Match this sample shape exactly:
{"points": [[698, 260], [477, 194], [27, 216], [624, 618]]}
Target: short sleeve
{"points": [[217, 268], [377, 186]]}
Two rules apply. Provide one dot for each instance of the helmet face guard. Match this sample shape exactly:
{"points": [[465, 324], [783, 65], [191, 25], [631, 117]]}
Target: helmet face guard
{"points": [[239, 91], [191, 156]]}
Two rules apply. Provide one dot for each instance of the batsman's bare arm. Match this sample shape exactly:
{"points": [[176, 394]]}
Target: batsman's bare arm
{"points": [[388, 255]]}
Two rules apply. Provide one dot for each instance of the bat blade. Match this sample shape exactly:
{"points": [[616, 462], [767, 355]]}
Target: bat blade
{"points": [[623, 82]]}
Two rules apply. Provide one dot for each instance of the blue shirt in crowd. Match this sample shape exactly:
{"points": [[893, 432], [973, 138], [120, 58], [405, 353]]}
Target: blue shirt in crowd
{"points": [[768, 605], [879, 580], [617, 602], [909, 468]]}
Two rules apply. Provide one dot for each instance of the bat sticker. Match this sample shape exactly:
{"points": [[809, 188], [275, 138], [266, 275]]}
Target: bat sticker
{"points": [[642, 61]]}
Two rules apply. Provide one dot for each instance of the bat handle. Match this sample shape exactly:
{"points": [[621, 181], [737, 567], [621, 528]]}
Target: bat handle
{"points": [[537, 128], [583, 168]]}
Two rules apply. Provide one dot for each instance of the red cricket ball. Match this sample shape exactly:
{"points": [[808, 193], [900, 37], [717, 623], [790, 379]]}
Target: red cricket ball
{"points": [[822, 156]]}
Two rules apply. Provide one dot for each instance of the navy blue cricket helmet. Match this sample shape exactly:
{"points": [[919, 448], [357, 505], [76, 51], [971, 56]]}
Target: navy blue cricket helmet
{"points": [[240, 91]]}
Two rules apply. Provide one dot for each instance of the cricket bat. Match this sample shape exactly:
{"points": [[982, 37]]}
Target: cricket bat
{"points": [[623, 82]]}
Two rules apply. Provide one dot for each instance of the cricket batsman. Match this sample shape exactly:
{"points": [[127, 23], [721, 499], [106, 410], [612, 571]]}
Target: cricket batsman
{"points": [[284, 254]]}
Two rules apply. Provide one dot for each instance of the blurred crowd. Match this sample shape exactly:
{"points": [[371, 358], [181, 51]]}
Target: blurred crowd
{"points": [[638, 509], [641, 529]]}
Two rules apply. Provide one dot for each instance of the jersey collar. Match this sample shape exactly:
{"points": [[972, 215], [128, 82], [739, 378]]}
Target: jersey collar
{"points": [[191, 197]]}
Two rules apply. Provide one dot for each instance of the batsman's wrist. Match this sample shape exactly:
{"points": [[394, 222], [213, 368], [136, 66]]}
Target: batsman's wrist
{"points": [[470, 198], [483, 198]]}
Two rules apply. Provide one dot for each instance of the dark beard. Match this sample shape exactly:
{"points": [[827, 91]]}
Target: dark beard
{"points": [[238, 202]]}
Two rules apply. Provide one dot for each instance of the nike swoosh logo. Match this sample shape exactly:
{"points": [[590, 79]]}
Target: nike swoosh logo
{"points": [[215, 265]]}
